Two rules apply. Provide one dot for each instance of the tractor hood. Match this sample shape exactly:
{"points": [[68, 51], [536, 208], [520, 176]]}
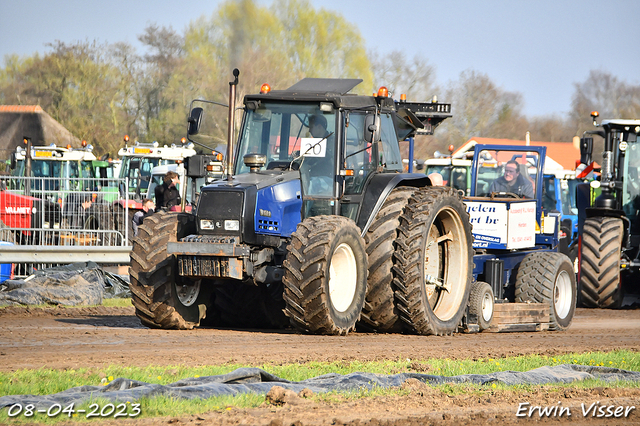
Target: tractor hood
{"points": [[253, 208]]}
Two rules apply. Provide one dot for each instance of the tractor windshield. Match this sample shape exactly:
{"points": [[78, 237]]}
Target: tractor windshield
{"points": [[507, 172], [138, 170], [631, 184], [288, 133]]}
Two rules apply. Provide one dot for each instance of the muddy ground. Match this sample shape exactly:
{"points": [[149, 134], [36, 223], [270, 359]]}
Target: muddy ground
{"points": [[63, 338]]}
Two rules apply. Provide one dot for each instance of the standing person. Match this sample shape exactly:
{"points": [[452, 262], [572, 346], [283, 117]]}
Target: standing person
{"points": [[83, 213], [148, 207], [167, 194], [513, 181]]}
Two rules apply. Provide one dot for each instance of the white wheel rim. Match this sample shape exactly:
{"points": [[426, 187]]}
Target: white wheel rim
{"points": [[188, 294], [343, 277], [487, 307], [562, 294], [442, 260]]}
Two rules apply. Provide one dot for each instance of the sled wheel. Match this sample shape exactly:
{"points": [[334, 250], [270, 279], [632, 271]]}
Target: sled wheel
{"points": [[163, 299], [433, 261], [325, 279], [481, 304], [548, 277]]}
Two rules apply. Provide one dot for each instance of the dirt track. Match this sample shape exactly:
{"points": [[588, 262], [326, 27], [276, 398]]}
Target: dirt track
{"points": [[97, 337]]}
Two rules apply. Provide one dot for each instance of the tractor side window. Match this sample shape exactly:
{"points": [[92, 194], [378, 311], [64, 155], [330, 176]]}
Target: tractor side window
{"points": [[358, 155], [391, 158], [458, 178], [549, 194], [631, 186], [146, 167]]}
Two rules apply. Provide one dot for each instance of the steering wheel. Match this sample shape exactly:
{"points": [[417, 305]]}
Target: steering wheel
{"points": [[504, 195]]}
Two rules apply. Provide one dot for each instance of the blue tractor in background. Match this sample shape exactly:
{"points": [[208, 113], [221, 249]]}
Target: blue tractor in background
{"points": [[515, 240], [559, 194], [316, 225]]}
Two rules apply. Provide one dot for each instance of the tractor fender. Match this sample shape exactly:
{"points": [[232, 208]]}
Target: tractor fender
{"points": [[378, 189]]}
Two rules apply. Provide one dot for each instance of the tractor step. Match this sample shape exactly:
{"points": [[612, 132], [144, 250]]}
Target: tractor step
{"points": [[510, 317]]}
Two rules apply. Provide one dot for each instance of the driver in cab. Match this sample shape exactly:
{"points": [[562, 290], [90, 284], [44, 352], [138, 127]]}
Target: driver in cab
{"points": [[512, 181]]}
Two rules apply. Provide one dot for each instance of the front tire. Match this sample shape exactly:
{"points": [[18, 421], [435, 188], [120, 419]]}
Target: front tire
{"points": [[600, 285], [548, 277], [325, 279], [433, 258], [161, 298]]}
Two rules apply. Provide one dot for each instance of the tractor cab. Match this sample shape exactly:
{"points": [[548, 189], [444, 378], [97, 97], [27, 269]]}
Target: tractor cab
{"points": [[313, 149], [53, 171]]}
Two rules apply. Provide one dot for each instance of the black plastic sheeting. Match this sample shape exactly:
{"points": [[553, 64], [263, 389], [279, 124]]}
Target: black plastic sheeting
{"points": [[72, 285], [255, 380]]}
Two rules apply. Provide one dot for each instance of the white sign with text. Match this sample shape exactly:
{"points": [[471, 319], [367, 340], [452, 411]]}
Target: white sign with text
{"points": [[313, 147], [500, 225]]}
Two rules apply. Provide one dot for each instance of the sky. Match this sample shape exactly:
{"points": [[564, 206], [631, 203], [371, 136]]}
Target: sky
{"points": [[539, 49]]}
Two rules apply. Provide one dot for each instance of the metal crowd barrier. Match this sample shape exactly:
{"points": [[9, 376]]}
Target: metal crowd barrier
{"points": [[49, 221]]}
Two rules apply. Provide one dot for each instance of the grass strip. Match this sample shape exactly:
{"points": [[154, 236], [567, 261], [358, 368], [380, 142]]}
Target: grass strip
{"points": [[48, 381]]}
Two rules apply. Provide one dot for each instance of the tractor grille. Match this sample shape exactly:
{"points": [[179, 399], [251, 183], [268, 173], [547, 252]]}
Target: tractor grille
{"points": [[220, 205], [209, 266]]}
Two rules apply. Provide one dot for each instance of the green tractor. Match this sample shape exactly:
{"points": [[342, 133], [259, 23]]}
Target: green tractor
{"points": [[609, 225]]}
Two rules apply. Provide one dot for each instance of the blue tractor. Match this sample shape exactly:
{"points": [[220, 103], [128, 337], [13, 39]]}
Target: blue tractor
{"points": [[515, 240], [316, 225], [559, 194]]}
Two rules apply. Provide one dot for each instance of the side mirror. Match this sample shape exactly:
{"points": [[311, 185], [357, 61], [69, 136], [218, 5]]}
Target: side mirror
{"points": [[195, 120], [586, 148], [372, 128]]}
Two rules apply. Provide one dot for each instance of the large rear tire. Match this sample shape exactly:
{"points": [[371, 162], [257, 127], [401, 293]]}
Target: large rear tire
{"points": [[600, 284], [379, 312], [161, 298], [433, 261], [325, 279], [548, 277]]}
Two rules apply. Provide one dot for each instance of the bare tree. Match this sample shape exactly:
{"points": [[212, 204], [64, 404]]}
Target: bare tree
{"points": [[605, 93], [415, 78], [480, 108]]}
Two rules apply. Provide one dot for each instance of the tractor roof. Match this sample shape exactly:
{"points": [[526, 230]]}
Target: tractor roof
{"points": [[334, 90], [621, 123]]}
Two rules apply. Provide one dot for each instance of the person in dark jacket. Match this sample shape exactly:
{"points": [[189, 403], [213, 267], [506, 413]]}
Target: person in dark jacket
{"points": [[167, 194], [513, 181], [147, 209]]}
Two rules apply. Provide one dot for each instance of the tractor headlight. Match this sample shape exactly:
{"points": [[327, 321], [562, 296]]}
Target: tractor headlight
{"points": [[207, 224], [231, 225]]}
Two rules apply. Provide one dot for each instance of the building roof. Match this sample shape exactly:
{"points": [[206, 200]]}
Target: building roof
{"points": [[564, 153], [20, 108], [19, 121]]}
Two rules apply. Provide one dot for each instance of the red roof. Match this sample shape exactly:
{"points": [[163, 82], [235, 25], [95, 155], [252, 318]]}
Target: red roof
{"points": [[565, 153], [20, 108]]}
